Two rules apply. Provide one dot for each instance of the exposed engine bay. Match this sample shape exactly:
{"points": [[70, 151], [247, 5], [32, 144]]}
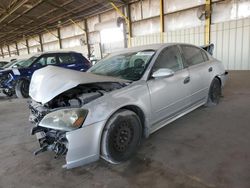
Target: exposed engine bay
{"points": [[55, 140], [73, 98]]}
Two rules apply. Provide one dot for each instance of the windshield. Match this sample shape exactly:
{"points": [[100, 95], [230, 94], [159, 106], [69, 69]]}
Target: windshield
{"points": [[27, 63], [129, 66], [8, 65]]}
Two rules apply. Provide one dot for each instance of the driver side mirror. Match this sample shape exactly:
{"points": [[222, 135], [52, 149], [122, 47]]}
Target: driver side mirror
{"points": [[163, 73]]}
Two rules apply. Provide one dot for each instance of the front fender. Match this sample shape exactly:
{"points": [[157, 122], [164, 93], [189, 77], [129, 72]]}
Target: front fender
{"points": [[133, 95]]}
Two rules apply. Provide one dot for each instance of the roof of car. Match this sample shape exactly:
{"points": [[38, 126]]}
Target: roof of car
{"points": [[147, 47], [144, 47], [55, 52]]}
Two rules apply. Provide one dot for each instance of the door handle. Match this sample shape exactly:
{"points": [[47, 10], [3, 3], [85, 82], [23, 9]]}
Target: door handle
{"points": [[186, 80], [210, 69]]}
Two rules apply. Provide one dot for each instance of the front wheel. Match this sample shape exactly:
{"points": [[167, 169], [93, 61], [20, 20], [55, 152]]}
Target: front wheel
{"points": [[121, 137], [214, 93], [22, 89]]}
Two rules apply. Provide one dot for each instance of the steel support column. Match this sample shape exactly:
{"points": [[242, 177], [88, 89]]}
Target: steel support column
{"points": [[2, 51], [9, 50], [17, 50], [87, 37], [85, 30], [162, 19], [27, 45], [59, 37], [207, 21], [127, 20], [41, 42], [128, 12]]}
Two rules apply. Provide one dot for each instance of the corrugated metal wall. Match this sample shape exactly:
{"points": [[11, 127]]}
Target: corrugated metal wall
{"points": [[193, 35], [232, 43], [231, 39]]}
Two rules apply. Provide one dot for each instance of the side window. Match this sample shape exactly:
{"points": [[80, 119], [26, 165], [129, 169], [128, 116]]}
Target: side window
{"points": [[51, 60], [169, 58], [47, 60], [66, 58], [192, 55], [41, 61]]}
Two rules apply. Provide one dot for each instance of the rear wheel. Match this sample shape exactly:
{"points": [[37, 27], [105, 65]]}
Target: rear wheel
{"points": [[22, 89], [214, 93], [121, 137]]}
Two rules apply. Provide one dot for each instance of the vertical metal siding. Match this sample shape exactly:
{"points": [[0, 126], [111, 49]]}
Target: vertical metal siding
{"points": [[232, 43], [231, 39]]}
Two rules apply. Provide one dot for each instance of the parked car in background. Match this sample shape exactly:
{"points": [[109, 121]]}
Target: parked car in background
{"points": [[14, 64], [124, 97], [2, 64], [17, 80]]}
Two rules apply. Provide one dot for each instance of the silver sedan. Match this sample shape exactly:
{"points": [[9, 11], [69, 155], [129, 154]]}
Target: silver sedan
{"points": [[125, 97]]}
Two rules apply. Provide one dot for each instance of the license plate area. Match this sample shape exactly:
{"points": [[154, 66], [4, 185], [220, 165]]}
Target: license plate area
{"points": [[40, 135]]}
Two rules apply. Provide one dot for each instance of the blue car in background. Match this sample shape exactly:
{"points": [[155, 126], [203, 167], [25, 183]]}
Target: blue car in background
{"points": [[17, 80]]}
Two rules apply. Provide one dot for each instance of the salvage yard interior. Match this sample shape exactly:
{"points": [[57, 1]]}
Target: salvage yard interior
{"points": [[89, 85]]}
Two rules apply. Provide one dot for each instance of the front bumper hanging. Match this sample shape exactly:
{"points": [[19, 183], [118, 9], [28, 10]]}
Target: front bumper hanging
{"points": [[50, 140]]}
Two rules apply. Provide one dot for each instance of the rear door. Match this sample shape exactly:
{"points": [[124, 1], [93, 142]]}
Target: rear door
{"points": [[169, 96], [200, 70]]}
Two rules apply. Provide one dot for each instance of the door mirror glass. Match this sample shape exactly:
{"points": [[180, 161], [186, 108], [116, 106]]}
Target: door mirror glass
{"points": [[163, 73]]}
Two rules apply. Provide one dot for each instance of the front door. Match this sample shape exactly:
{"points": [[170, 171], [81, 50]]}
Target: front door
{"points": [[41, 62], [169, 96]]}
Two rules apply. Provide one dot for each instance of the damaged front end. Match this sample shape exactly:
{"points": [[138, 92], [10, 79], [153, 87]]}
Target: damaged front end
{"points": [[51, 140], [7, 84], [59, 122]]}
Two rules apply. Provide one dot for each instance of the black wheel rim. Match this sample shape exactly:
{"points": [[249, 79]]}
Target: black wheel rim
{"points": [[122, 137], [216, 92], [25, 88]]}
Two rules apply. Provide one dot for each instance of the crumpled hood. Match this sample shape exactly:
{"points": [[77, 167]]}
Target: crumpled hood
{"points": [[49, 82]]}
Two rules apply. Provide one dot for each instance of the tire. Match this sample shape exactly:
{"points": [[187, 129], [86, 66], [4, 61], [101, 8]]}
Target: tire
{"points": [[22, 89], [121, 137], [214, 93]]}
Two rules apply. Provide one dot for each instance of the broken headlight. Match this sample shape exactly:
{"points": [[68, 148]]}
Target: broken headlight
{"points": [[65, 119]]}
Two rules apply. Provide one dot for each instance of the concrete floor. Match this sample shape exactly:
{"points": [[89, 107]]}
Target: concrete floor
{"points": [[209, 147]]}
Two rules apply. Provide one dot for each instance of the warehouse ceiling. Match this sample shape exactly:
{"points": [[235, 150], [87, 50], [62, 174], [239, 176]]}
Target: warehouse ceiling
{"points": [[20, 18]]}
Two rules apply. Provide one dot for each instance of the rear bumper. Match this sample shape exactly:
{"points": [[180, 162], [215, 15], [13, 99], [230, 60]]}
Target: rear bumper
{"points": [[223, 77]]}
